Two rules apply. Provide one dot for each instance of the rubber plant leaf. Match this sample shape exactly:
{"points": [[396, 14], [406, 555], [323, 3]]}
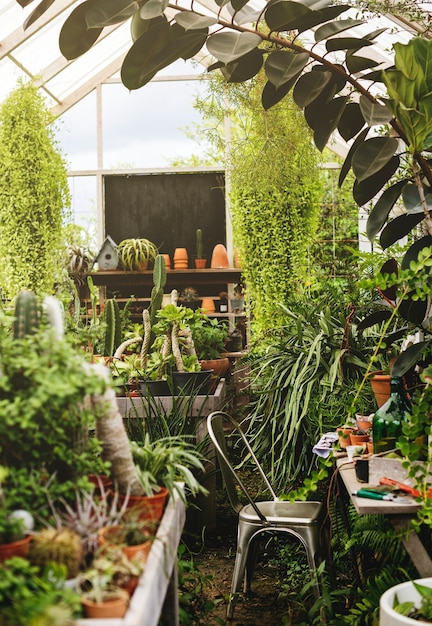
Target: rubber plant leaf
{"points": [[390, 268], [380, 212], [374, 113], [153, 8], [108, 12], [368, 188], [238, 4], [409, 358], [37, 12], [334, 28], [307, 20], [399, 228], [328, 121], [374, 77], [146, 56], [412, 309], [351, 121], [272, 95], [187, 43], [140, 26], [285, 15], [346, 165], [346, 43], [227, 47], [372, 156], [377, 317], [244, 68], [357, 64], [191, 21], [309, 86], [25, 3], [281, 66], [75, 37], [411, 199], [246, 15], [413, 251]]}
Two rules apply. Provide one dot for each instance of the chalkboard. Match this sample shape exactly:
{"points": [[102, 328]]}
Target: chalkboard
{"points": [[167, 209]]}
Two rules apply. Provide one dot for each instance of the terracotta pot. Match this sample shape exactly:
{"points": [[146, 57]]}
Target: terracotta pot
{"points": [[101, 482], [15, 548], [167, 261], [200, 264], [363, 422], [116, 607], [219, 366], [149, 508], [344, 436], [219, 257], [381, 388], [181, 259], [357, 439], [139, 550], [369, 445], [208, 305]]}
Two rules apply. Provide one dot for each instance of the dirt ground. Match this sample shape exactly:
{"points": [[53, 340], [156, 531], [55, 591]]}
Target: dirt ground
{"points": [[214, 555]]}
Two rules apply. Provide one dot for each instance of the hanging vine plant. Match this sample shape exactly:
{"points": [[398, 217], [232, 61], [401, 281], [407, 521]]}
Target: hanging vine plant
{"points": [[34, 194]]}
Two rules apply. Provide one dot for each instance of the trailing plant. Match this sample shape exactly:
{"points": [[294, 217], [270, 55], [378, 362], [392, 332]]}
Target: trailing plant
{"points": [[34, 194]]}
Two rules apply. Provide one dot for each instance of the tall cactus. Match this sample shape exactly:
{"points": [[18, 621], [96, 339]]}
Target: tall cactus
{"points": [[199, 244], [159, 282], [112, 337], [26, 319]]}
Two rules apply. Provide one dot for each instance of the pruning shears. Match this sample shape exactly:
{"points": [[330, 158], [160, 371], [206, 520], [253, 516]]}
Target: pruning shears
{"points": [[402, 487]]}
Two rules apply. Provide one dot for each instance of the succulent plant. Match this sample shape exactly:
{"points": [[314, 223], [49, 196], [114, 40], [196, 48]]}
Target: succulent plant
{"points": [[135, 254]]}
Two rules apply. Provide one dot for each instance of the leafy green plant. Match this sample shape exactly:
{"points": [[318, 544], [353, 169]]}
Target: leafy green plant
{"points": [[34, 182], [136, 253], [166, 462], [28, 598], [420, 613], [209, 336]]}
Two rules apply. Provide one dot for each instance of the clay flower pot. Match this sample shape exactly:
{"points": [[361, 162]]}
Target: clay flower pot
{"points": [[381, 388], [149, 508], [200, 264], [15, 548], [219, 257], [181, 259], [116, 607], [344, 436], [208, 305], [167, 261]]}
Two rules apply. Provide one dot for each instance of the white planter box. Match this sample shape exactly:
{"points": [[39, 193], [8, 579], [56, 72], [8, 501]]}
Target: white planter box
{"points": [[405, 593], [160, 576]]}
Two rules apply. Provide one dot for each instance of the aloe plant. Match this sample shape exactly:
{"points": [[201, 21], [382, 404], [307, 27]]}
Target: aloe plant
{"points": [[136, 253]]}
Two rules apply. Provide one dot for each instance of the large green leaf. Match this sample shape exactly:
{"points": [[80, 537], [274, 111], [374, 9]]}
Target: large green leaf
{"points": [[351, 122], [413, 310], [272, 95], [411, 356], [140, 26], [309, 86], [413, 251], [389, 268], [365, 190], [377, 317], [411, 199], [282, 66], [153, 8], [373, 112], [346, 166], [37, 12], [284, 15], [382, 208], [75, 37], [334, 28], [144, 58], [328, 121], [238, 4], [357, 64], [227, 47], [372, 156], [243, 69], [107, 12], [191, 21], [398, 228], [346, 43]]}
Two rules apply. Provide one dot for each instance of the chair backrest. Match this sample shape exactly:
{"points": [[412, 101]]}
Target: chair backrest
{"points": [[215, 427]]}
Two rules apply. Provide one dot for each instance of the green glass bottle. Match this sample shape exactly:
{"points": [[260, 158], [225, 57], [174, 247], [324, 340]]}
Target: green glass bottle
{"points": [[387, 421]]}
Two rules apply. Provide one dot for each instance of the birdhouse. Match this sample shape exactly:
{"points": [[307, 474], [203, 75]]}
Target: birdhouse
{"points": [[107, 257]]}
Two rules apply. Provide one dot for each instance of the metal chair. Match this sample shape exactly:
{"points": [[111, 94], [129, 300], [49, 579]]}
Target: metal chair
{"points": [[299, 519]]}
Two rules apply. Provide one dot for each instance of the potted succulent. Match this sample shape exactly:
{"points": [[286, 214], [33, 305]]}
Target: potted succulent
{"points": [[200, 260], [130, 534], [15, 527], [104, 586], [210, 336], [135, 254]]}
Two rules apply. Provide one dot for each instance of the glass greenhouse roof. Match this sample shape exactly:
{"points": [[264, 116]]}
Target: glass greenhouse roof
{"points": [[35, 52]]}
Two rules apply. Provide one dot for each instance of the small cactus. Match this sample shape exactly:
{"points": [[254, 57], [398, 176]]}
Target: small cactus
{"points": [[60, 545], [199, 244], [113, 327], [26, 314]]}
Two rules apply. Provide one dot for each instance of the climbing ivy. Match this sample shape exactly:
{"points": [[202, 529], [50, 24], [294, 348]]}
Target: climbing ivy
{"points": [[34, 194]]}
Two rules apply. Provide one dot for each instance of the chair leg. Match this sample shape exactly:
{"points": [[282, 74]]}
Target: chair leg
{"points": [[244, 534], [251, 563], [312, 543]]}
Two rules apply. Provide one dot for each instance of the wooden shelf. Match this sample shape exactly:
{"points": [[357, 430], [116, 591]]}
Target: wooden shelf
{"points": [[175, 278]]}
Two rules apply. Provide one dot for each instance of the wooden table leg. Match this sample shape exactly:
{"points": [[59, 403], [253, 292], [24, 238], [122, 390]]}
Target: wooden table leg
{"points": [[413, 545]]}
